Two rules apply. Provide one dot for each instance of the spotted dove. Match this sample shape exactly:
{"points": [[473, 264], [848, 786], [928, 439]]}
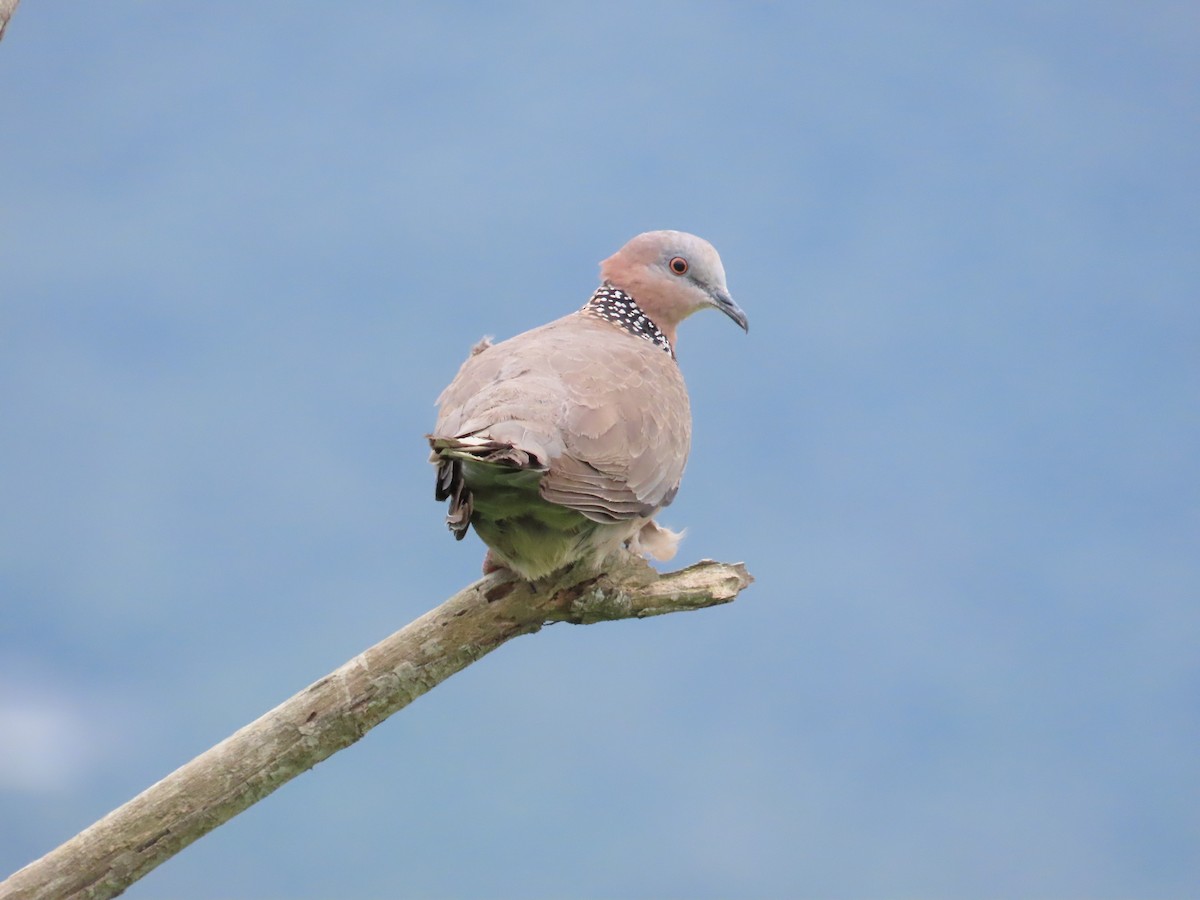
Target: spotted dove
{"points": [[560, 445]]}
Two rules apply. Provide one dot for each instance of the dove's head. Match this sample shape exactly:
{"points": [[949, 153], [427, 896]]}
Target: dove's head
{"points": [[671, 274]]}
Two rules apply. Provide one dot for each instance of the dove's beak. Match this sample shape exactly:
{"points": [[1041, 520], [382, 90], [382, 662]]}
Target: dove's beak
{"points": [[725, 304]]}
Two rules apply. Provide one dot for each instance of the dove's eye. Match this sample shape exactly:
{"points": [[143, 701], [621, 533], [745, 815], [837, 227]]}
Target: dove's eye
{"points": [[679, 265]]}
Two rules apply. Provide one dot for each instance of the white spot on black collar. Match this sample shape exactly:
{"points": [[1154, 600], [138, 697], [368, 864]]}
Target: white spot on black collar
{"points": [[614, 305]]}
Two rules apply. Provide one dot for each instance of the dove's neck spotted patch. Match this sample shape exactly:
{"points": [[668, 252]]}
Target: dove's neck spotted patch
{"points": [[614, 305]]}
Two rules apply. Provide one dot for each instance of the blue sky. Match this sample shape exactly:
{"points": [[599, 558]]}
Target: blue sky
{"points": [[242, 248]]}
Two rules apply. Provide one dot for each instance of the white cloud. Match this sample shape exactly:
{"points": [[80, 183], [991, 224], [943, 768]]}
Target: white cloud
{"points": [[45, 745]]}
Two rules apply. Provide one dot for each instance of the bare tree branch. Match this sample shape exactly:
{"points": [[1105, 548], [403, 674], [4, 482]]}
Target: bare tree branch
{"points": [[7, 8], [336, 711]]}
